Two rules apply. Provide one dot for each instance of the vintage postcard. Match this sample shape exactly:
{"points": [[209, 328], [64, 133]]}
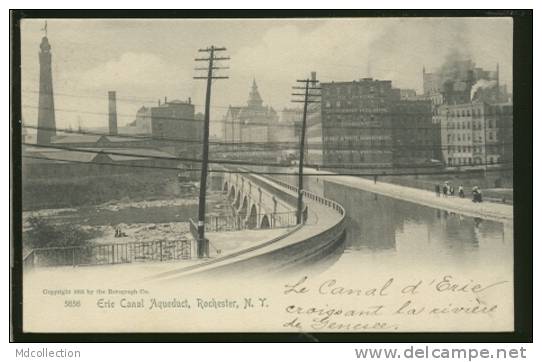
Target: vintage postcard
{"points": [[267, 175]]}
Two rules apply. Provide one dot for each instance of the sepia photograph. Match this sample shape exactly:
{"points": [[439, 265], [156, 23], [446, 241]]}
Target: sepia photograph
{"points": [[281, 175]]}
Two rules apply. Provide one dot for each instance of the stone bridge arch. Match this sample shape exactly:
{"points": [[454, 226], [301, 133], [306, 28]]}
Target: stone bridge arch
{"points": [[253, 206], [231, 194], [252, 219], [243, 208], [237, 200], [265, 223]]}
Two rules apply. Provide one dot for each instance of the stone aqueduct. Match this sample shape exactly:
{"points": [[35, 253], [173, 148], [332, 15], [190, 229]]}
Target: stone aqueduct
{"points": [[256, 205]]}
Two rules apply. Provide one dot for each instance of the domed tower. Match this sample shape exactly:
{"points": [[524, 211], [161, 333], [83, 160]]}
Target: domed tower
{"points": [[46, 107], [254, 99]]}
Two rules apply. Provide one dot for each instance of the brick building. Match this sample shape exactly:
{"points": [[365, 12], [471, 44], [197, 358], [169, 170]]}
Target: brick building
{"points": [[175, 119], [366, 123], [413, 133]]}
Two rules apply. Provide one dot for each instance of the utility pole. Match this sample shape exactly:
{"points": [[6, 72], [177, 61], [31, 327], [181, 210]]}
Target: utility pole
{"points": [[309, 87], [485, 146], [202, 243]]}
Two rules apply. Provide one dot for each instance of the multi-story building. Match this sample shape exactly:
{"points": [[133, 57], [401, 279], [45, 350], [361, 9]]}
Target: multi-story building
{"points": [[253, 123], [413, 132], [366, 123], [460, 85], [355, 119], [476, 133], [175, 119], [314, 136]]}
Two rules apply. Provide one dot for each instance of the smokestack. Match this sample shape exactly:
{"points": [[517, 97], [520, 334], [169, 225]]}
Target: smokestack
{"points": [[313, 78], [112, 113]]}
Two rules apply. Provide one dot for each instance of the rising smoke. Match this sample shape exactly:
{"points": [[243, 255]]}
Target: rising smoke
{"points": [[453, 67], [482, 84]]}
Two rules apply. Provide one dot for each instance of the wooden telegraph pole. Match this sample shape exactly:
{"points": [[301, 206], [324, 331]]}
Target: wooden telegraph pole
{"points": [[309, 88], [202, 243]]}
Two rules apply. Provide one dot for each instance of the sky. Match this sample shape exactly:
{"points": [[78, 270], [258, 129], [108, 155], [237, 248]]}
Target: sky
{"points": [[144, 60]]}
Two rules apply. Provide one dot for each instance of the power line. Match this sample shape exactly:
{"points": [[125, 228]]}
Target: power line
{"points": [[241, 162], [444, 172], [279, 125], [136, 136], [118, 114], [346, 146]]}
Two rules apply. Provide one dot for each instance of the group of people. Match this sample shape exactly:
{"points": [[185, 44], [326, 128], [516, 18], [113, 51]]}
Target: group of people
{"points": [[119, 233], [447, 189]]}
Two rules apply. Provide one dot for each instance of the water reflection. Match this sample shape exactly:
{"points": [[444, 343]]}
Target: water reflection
{"points": [[379, 224]]}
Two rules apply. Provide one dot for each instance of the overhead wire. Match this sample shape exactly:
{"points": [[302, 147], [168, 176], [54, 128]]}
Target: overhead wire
{"points": [[233, 162], [256, 172]]}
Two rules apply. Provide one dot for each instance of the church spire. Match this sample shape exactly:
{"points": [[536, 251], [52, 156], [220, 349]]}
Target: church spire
{"points": [[254, 98], [44, 29]]}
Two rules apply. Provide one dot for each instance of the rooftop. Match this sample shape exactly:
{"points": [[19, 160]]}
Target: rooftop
{"points": [[86, 138], [89, 154]]}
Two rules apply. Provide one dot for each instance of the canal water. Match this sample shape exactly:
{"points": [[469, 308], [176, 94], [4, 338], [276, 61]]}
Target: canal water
{"points": [[386, 234]]}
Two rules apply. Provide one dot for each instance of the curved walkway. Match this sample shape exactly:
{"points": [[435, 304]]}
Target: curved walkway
{"points": [[486, 210], [323, 230], [317, 240]]}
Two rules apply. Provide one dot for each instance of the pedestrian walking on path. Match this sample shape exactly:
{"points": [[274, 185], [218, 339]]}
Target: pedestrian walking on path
{"points": [[445, 190], [437, 190], [461, 191], [476, 194]]}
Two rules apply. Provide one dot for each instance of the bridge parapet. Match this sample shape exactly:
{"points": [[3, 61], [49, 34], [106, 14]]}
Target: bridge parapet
{"points": [[312, 196], [306, 244], [257, 203]]}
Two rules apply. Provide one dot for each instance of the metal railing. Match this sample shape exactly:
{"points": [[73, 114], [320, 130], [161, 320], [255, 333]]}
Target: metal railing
{"points": [[218, 223], [284, 196], [312, 196], [103, 254]]}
